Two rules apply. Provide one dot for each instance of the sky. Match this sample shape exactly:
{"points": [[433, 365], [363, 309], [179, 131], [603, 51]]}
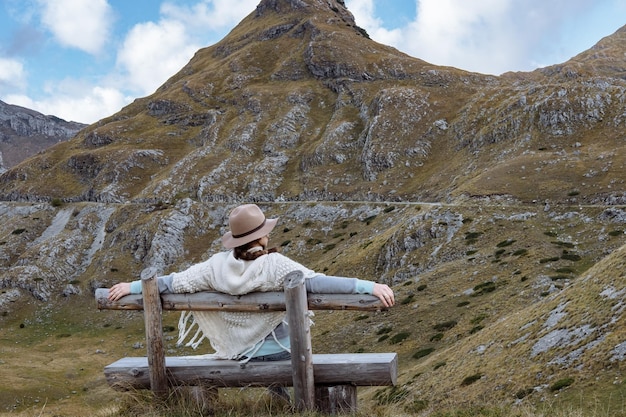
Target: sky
{"points": [[83, 60]]}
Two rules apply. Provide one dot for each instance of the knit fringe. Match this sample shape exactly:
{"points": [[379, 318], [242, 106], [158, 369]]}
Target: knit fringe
{"points": [[186, 323]]}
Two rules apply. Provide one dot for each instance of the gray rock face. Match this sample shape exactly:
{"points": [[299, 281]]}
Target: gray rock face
{"points": [[24, 132]]}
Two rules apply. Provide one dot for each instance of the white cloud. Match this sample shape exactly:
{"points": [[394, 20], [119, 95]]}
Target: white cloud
{"points": [[12, 75], [88, 107], [488, 36], [153, 52], [209, 15], [80, 24]]}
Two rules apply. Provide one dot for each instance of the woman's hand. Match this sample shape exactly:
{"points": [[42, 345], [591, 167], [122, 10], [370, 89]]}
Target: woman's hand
{"points": [[384, 294], [119, 290]]}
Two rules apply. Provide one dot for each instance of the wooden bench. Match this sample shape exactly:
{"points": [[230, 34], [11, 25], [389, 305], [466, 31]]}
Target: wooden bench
{"points": [[326, 382]]}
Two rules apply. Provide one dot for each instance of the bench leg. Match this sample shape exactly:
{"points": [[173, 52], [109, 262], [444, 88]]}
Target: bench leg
{"points": [[335, 399]]}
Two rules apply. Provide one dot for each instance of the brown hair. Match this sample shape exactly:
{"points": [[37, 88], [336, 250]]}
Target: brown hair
{"points": [[241, 252]]}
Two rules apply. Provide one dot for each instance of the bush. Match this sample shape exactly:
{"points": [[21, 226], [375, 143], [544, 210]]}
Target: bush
{"points": [[561, 383], [436, 337], [476, 329], [446, 325], [570, 256], [505, 243], [423, 352], [384, 330], [469, 380], [397, 338], [524, 393], [408, 299], [484, 288], [546, 260]]}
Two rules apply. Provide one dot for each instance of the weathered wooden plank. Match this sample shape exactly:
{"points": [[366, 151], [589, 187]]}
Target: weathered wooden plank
{"points": [[300, 336], [154, 332], [359, 369], [259, 301]]}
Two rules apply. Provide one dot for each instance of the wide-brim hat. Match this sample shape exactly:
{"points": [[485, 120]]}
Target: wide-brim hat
{"points": [[247, 223]]}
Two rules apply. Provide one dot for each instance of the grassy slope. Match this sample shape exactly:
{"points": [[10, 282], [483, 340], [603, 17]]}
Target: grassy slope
{"points": [[52, 356]]}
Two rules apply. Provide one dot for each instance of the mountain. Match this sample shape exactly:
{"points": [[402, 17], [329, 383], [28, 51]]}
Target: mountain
{"points": [[495, 206], [24, 132]]}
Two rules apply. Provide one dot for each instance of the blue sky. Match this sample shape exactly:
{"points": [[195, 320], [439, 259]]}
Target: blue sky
{"points": [[84, 60]]}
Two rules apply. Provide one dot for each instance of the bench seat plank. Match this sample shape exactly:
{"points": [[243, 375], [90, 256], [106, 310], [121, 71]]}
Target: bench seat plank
{"points": [[360, 369]]}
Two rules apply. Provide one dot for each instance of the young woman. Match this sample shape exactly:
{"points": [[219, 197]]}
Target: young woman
{"points": [[250, 266]]}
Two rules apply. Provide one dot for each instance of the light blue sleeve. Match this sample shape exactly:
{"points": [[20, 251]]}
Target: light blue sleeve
{"points": [[338, 285], [164, 283]]}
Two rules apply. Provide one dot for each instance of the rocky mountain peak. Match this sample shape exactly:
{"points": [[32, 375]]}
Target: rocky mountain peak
{"points": [[606, 58], [310, 7], [24, 132]]}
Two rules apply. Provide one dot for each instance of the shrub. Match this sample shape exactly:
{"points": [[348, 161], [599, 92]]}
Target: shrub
{"points": [[329, 247], [561, 383], [389, 209], [463, 304], [446, 325], [369, 219], [484, 288], [506, 243], [469, 380], [570, 256], [56, 202], [18, 231], [397, 338], [436, 337], [476, 329], [524, 392], [384, 330], [439, 365], [421, 287], [423, 352], [472, 235], [478, 318], [546, 260], [408, 299]]}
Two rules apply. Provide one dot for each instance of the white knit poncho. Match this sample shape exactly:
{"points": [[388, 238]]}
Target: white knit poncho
{"points": [[233, 334]]}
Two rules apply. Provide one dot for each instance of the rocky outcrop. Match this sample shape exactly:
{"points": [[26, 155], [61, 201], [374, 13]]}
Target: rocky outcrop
{"points": [[24, 132]]}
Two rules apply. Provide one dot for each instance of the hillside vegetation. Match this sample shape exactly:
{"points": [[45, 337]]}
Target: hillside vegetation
{"points": [[494, 206]]}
